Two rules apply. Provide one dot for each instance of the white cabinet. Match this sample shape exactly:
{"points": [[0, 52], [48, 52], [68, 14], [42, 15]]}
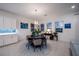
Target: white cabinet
{"points": [[7, 22], [1, 22], [8, 39], [1, 40], [13, 23], [14, 38]]}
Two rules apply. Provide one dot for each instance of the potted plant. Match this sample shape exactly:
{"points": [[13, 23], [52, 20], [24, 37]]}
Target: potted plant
{"points": [[36, 32]]}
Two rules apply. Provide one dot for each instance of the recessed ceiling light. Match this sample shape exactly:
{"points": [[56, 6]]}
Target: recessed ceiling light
{"points": [[73, 7]]}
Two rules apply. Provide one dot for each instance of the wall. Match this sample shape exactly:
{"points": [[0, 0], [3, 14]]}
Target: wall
{"points": [[68, 34], [22, 33], [15, 20], [77, 28], [45, 21]]}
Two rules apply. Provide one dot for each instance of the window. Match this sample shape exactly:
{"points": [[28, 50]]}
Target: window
{"points": [[6, 31]]}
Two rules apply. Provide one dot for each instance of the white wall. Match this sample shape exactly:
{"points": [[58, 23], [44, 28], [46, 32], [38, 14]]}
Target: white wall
{"points": [[67, 34], [13, 20], [24, 32], [77, 28], [45, 21]]}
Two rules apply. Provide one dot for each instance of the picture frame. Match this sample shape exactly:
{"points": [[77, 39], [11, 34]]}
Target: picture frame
{"points": [[42, 27], [23, 25], [59, 26], [32, 27], [59, 30], [49, 25], [67, 26]]}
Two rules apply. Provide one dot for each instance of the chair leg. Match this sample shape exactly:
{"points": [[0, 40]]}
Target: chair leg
{"points": [[45, 44], [40, 48], [28, 46], [34, 49], [56, 38]]}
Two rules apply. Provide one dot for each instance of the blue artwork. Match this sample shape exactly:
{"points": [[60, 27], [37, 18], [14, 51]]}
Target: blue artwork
{"points": [[68, 26], [42, 27], [49, 25], [24, 25]]}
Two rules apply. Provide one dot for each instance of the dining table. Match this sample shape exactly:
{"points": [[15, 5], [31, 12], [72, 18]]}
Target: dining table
{"points": [[30, 39]]}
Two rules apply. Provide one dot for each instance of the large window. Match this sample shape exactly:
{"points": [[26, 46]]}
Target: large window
{"points": [[6, 31]]}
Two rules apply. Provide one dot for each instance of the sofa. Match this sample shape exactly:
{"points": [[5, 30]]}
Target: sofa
{"points": [[74, 48]]}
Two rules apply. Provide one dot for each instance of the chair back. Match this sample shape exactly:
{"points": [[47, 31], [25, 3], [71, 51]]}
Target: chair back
{"points": [[37, 42]]}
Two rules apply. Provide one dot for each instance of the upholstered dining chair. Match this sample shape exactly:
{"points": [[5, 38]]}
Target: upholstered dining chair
{"points": [[37, 43], [29, 41]]}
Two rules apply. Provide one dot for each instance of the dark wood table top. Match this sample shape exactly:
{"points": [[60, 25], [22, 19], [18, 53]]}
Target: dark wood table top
{"points": [[47, 33], [36, 37]]}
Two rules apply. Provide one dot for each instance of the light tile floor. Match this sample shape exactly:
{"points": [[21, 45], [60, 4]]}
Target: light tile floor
{"points": [[54, 48]]}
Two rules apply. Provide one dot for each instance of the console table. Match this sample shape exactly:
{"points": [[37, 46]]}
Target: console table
{"points": [[52, 36]]}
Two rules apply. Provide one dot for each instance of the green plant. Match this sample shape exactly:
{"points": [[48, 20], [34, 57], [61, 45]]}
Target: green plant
{"points": [[36, 32]]}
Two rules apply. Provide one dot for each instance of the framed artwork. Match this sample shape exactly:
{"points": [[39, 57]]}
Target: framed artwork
{"points": [[49, 25], [32, 27], [67, 26], [23, 25], [59, 26], [59, 30], [42, 27]]}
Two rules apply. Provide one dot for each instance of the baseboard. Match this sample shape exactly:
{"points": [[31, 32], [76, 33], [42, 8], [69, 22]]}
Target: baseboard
{"points": [[10, 44]]}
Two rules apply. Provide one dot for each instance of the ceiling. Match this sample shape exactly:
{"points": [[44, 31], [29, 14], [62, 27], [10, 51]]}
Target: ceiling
{"points": [[39, 10]]}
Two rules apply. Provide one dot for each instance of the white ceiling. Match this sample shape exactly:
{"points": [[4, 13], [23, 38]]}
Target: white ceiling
{"points": [[44, 10]]}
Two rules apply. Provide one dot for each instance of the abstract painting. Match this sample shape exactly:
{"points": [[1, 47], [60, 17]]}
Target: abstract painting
{"points": [[67, 26], [49, 25], [42, 27], [32, 27], [23, 25]]}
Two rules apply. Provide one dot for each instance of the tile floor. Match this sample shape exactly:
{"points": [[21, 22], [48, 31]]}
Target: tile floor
{"points": [[54, 48]]}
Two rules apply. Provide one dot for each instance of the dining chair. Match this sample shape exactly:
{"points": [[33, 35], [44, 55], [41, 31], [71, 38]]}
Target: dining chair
{"points": [[37, 43], [29, 41]]}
